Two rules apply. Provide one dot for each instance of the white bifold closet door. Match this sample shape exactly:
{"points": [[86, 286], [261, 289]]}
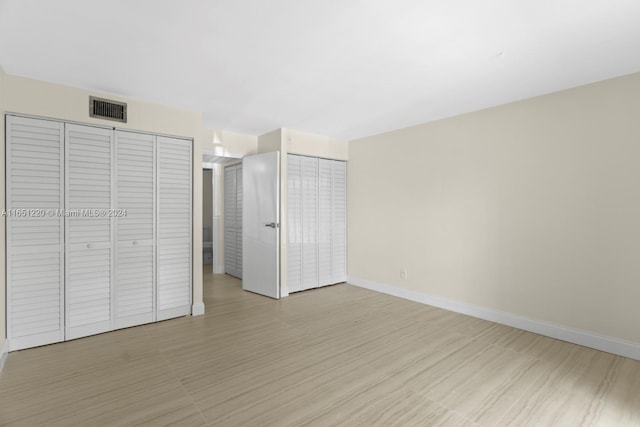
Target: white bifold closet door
{"points": [[77, 265], [35, 233], [174, 227], [134, 291], [233, 220], [316, 222], [89, 230]]}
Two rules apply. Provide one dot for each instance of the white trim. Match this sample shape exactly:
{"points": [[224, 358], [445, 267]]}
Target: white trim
{"points": [[588, 339], [4, 352], [197, 309]]}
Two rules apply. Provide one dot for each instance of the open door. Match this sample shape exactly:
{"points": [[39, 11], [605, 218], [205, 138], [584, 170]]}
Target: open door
{"points": [[261, 224]]}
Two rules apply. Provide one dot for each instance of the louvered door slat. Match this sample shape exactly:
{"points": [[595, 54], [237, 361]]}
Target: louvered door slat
{"points": [[89, 258], [239, 221], [35, 270], [294, 223], [134, 292], [309, 222], [174, 228], [338, 222], [233, 220], [230, 241], [325, 210]]}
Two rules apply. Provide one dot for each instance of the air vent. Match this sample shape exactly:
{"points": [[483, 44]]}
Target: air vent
{"points": [[107, 109]]}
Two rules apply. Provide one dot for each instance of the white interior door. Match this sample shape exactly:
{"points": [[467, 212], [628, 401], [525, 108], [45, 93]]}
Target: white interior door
{"points": [[261, 224]]}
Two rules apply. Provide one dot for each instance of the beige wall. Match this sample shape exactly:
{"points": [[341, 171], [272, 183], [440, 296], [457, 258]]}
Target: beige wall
{"points": [[27, 96], [271, 141], [532, 208], [229, 144], [308, 144]]}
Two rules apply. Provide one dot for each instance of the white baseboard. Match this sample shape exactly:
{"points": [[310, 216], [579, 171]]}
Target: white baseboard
{"points": [[197, 309], [588, 339], [4, 352]]}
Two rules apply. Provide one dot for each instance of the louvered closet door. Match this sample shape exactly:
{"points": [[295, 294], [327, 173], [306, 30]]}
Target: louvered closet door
{"points": [[338, 221], [35, 235], [174, 228], [89, 230], [134, 289], [238, 221], [324, 221], [230, 242], [294, 223], [230, 219], [233, 220], [309, 222]]}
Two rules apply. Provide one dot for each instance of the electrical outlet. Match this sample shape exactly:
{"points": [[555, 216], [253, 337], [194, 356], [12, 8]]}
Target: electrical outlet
{"points": [[403, 274]]}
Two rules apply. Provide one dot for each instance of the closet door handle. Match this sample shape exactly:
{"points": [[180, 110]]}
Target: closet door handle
{"points": [[271, 225]]}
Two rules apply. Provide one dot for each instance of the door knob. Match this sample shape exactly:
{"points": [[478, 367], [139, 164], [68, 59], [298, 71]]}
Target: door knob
{"points": [[271, 225]]}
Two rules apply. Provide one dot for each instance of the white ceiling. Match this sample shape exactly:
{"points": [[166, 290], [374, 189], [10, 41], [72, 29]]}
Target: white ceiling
{"points": [[343, 68]]}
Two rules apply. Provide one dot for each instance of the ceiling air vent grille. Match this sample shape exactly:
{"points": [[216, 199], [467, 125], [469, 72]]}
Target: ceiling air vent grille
{"points": [[107, 109]]}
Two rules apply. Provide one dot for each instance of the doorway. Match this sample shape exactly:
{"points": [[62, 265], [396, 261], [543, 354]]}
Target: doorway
{"points": [[207, 218], [213, 211]]}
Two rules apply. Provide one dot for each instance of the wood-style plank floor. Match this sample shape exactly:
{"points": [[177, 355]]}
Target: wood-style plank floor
{"points": [[340, 356]]}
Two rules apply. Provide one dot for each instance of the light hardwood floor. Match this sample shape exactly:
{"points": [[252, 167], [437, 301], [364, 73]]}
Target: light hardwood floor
{"points": [[334, 356]]}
